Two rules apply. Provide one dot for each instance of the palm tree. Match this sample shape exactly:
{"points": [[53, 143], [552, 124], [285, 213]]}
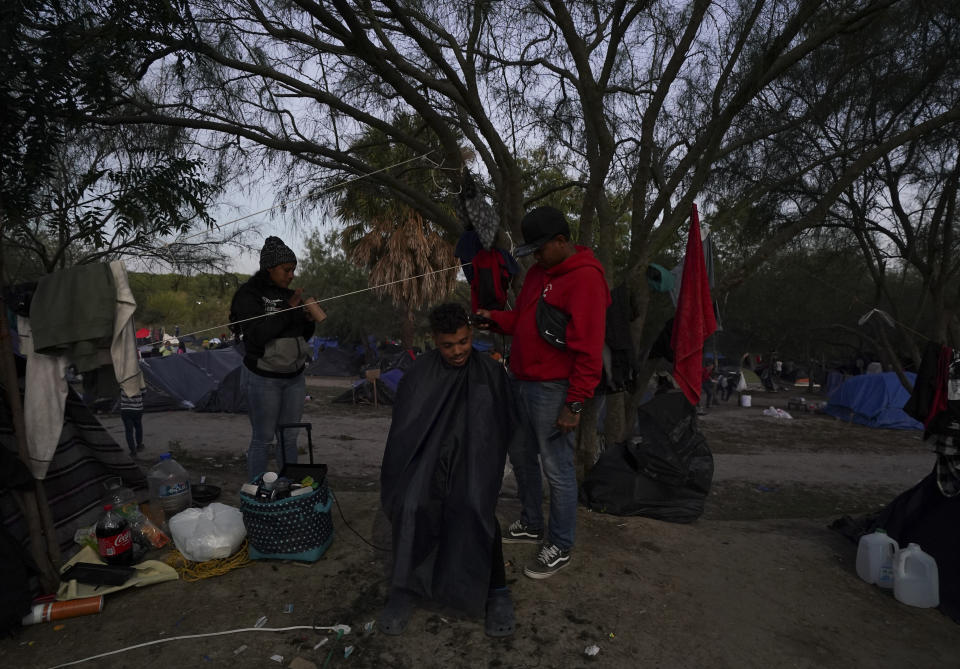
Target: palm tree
{"points": [[395, 242]]}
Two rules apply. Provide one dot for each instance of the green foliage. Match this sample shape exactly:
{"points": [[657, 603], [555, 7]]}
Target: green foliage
{"points": [[805, 305], [196, 303], [60, 61], [71, 193], [325, 272]]}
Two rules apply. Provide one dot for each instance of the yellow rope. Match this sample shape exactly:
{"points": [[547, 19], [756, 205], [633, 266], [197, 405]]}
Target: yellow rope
{"points": [[195, 571]]}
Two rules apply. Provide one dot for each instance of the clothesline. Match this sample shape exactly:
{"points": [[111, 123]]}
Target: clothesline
{"points": [[312, 193], [855, 298], [326, 299]]}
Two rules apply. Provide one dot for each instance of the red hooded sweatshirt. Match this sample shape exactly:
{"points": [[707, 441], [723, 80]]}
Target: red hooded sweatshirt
{"points": [[577, 287]]}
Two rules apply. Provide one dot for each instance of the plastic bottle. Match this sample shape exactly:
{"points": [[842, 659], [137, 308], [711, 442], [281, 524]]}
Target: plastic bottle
{"points": [[122, 498], [170, 486], [916, 580], [42, 613], [114, 541], [875, 554]]}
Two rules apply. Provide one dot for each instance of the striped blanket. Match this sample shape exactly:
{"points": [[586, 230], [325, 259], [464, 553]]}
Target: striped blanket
{"points": [[86, 457]]}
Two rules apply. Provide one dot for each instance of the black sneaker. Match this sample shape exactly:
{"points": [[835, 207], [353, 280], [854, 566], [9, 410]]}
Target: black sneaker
{"points": [[548, 562], [518, 533]]}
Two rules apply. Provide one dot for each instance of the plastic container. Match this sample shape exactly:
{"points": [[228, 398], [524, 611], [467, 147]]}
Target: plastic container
{"points": [[916, 580], [875, 554], [114, 540], [119, 496], [170, 486], [745, 400]]}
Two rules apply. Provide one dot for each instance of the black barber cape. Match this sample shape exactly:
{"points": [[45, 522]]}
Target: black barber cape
{"points": [[441, 475]]}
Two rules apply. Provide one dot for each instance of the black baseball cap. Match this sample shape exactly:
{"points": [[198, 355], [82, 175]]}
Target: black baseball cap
{"points": [[539, 226]]}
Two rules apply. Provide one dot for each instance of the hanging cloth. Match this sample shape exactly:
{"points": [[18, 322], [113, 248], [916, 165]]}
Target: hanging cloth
{"points": [[694, 320]]}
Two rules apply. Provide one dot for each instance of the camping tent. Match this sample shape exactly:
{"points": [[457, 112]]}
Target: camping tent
{"points": [[188, 378], [229, 395], [749, 382], [335, 362], [361, 392], [875, 400]]}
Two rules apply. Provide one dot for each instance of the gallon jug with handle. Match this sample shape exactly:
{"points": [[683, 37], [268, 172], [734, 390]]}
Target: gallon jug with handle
{"points": [[875, 554], [916, 580]]}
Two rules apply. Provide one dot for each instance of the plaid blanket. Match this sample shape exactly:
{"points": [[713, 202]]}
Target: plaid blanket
{"points": [[946, 444]]}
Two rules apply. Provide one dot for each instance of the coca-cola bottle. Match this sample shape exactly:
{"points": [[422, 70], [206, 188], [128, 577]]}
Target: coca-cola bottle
{"points": [[114, 542]]}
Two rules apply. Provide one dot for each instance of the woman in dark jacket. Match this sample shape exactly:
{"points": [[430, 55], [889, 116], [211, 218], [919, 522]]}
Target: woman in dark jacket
{"points": [[274, 333]]}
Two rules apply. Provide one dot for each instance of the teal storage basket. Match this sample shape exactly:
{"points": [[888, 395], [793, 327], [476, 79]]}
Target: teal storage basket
{"points": [[296, 528]]}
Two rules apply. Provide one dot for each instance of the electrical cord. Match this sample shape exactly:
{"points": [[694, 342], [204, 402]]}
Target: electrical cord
{"points": [[350, 527], [339, 629]]}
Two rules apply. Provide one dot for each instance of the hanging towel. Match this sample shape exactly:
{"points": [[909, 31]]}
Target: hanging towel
{"points": [[73, 313], [123, 347], [44, 399], [694, 320]]}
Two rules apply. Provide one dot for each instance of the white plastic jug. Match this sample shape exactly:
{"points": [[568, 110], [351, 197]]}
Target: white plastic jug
{"points": [[875, 554], [170, 486], [916, 580]]}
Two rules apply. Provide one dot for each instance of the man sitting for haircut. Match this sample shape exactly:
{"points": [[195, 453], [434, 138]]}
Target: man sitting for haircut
{"points": [[453, 417]]}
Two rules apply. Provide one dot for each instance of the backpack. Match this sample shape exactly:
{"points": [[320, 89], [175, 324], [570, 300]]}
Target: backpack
{"points": [[488, 287]]}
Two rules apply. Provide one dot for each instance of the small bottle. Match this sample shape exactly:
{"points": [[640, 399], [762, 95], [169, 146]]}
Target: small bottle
{"points": [[114, 541]]}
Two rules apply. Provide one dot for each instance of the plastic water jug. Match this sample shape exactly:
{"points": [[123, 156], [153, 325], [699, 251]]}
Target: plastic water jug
{"points": [[916, 580], [875, 554], [170, 486]]}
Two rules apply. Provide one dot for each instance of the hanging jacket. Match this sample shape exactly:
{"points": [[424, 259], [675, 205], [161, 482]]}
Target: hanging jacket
{"points": [[276, 342], [488, 271], [578, 288]]}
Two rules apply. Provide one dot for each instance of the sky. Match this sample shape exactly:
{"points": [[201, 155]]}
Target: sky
{"points": [[290, 226]]}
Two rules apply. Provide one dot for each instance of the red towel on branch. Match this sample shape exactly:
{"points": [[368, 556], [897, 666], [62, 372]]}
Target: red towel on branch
{"points": [[694, 320]]}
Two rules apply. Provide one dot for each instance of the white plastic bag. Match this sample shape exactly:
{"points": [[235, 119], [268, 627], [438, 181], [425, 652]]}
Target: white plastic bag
{"points": [[215, 531], [776, 413]]}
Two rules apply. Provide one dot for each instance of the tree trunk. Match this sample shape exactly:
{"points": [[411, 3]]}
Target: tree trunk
{"points": [[585, 443], [408, 329]]}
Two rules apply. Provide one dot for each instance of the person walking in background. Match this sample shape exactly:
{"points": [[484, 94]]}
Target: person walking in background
{"points": [[274, 332], [707, 385], [558, 328], [131, 413], [724, 385]]}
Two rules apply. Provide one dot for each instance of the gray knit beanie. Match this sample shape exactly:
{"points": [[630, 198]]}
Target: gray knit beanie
{"points": [[275, 252]]}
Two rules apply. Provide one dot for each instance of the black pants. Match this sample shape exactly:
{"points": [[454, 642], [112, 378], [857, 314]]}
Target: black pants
{"points": [[498, 574], [133, 427]]}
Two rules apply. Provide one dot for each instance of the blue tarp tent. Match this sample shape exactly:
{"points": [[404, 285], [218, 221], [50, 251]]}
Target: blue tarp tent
{"points": [[189, 377], [874, 400]]}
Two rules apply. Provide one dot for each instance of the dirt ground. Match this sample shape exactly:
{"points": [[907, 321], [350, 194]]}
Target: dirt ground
{"points": [[758, 581]]}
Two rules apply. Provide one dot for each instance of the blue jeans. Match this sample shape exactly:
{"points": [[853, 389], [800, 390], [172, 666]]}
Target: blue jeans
{"points": [[133, 428], [541, 403], [272, 402]]}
